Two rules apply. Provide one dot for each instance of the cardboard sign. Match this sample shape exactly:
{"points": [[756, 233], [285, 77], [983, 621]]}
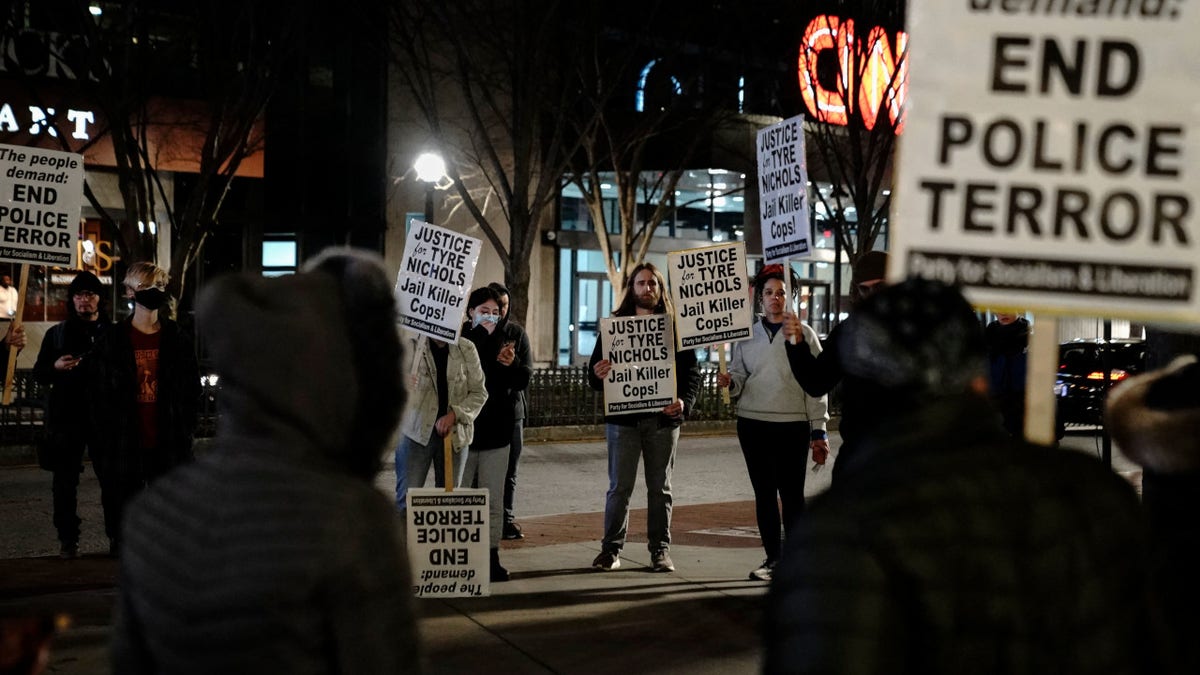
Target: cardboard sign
{"points": [[41, 192], [435, 280], [1050, 157], [448, 542], [783, 190], [711, 295], [641, 350]]}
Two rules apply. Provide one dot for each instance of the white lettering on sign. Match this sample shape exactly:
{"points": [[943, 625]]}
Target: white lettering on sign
{"points": [[1044, 181], [41, 120]]}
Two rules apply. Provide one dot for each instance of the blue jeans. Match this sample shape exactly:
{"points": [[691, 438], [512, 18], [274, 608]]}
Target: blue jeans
{"points": [[626, 446], [413, 460]]}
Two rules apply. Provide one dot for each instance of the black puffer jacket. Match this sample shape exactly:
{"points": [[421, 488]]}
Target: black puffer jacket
{"points": [[114, 383], [946, 547], [274, 552]]}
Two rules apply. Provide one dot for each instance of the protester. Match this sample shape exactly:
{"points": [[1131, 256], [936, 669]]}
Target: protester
{"points": [[65, 348], [1008, 356], [488, 460], [1155, 420], [448, 393], [946, 545], [274, 552], [9, 298], [649, 436], [819, 373], [773, 411], [145, 387], [518, 341]]}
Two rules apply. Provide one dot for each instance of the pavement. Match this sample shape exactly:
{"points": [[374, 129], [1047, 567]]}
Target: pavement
{"points": [[556, 615]]}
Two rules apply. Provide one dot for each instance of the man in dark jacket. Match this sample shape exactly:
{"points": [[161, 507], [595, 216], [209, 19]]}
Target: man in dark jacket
{"points": [[650, 436], [60, 366], [946, 545], [274, 552], [517, 347], [146, 391]]}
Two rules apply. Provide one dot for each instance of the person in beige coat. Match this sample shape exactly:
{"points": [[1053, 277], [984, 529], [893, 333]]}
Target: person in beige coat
{"points": [[446, 394]]}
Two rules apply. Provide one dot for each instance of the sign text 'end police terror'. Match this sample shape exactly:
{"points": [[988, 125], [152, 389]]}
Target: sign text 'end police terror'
{"points": [[1096, 68]]}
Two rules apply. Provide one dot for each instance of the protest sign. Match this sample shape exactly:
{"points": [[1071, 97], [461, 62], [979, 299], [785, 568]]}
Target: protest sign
{"points": [[783, 190], [448, 542], [41, 192], [435, 280], [1049, 160], [640, 350], [711, 296]]}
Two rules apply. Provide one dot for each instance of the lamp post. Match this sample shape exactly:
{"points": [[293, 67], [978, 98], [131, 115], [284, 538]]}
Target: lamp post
{"points": [[430, 168]]}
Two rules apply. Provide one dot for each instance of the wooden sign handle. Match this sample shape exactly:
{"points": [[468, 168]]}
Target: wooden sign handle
{"points": [[448, 457], [721, 369]]}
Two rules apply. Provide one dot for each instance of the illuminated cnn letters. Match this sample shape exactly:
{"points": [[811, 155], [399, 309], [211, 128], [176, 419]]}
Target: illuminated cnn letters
{"points": [[869, 80]]}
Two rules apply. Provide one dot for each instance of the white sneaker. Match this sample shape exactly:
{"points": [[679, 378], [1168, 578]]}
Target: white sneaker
{"points": [[763, 572]]}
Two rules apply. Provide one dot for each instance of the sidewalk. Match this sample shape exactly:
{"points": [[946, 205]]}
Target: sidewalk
{"points": [[556, 615]]}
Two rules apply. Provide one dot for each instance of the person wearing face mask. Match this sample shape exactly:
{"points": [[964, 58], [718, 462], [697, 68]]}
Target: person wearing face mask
{"points": [[487, 464], [147, 390]]}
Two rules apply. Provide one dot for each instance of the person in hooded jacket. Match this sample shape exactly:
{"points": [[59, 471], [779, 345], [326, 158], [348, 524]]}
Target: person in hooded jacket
{"points": [[487, 463], [274, 552], [1008, 358], [145, 386], [60, 365]]}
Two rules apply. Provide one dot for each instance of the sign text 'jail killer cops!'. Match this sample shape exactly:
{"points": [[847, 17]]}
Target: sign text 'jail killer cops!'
{"points": [[1050, 156]]}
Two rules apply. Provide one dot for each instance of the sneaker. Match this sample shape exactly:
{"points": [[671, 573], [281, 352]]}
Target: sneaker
{"points": [[660, 561], [607, 561], [764, 571], [513, 531], [69, 550]]}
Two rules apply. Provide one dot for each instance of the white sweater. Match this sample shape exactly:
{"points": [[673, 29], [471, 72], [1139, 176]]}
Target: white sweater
{"points": [[763, 384]]}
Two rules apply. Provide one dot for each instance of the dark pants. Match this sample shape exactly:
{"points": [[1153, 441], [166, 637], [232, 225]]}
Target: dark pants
{"points": [[776, 458], [510, 479], [65, 487]]}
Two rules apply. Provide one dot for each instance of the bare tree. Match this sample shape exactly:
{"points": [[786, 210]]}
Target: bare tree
{"points": [[853, 69], [487, 78], [218, 59]]}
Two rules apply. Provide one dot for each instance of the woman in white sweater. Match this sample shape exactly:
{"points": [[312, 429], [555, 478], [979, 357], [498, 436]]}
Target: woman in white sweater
{"points": [[772, 412]]}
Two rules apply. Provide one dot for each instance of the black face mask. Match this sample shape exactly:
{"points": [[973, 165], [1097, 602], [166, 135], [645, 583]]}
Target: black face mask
{"points": [[151, 298]]}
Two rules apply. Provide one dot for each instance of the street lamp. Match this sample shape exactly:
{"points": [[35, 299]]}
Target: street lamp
{"points": [[431, 169]]}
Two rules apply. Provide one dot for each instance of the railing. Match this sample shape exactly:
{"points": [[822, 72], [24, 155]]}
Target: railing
{"points": [[557, 397], [562, 397]]}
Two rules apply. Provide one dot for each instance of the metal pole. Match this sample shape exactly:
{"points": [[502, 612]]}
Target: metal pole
{"points": [[1107, 367], [429, 203]]}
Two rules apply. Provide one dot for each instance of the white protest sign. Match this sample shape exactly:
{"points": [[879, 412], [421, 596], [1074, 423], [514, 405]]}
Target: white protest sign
{"points": [[435, 280], [709, 288], [1049, 161], [641, 351], [783, 190], [448, 542], [41, 192]]}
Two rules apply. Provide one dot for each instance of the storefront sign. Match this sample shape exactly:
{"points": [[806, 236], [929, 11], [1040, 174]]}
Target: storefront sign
{"points": [[41, 192], [870, 74], [435, 280], [711, 296], [783, 190], [1034, 173], [448, 542], [641, 351]]}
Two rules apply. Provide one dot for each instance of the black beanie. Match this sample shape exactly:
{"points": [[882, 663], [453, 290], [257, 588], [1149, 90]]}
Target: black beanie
{"points": [[85, 281]]}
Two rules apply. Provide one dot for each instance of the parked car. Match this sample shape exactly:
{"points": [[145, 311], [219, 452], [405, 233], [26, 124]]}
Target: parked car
{"points": [[1079, 386]]}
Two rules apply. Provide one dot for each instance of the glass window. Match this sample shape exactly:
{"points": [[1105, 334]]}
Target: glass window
{"points": [[279, 255]]}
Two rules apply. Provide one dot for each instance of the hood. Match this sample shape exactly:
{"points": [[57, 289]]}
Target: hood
{"points": [[1155, 417], [307, 369]]}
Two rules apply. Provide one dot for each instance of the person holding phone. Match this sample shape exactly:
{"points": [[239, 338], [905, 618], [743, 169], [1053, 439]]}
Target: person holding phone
{"points": [[515, 350], [65, 349]]}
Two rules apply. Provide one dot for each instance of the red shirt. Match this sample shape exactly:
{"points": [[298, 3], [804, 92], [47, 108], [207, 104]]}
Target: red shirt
{"points": [[145, 357]]}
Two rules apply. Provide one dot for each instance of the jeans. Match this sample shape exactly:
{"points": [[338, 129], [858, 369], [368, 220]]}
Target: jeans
{"points": [[413, 460], [776, 467], [485, 469], [510, 478], [626, 445]]}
